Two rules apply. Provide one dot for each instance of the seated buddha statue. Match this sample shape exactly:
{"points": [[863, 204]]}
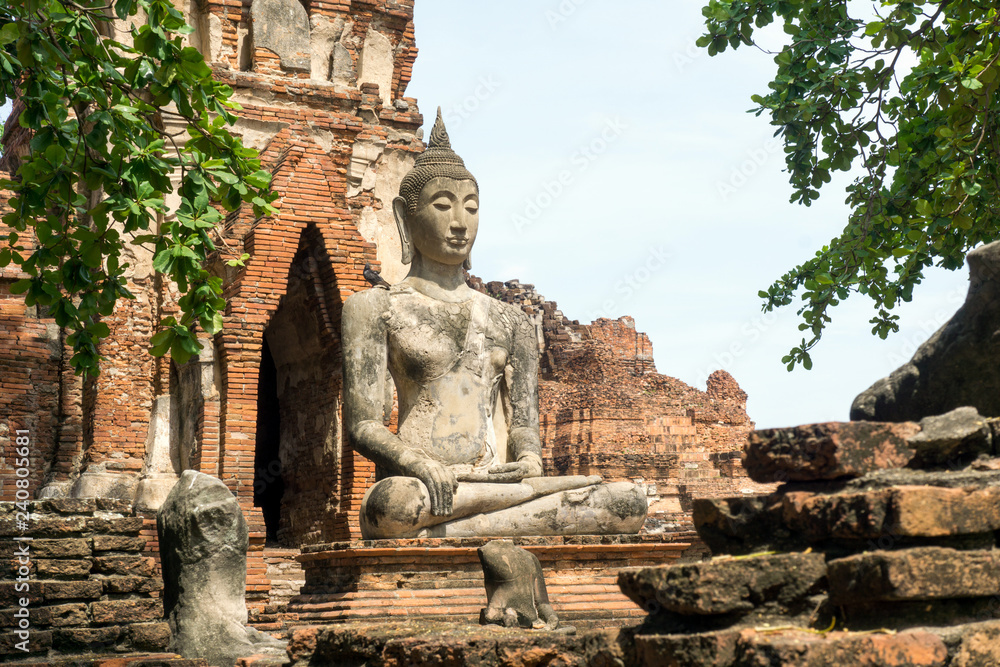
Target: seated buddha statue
{"points": [[466, 459]]}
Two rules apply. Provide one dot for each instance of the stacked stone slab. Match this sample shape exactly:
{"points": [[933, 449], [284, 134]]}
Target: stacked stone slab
{"points": [[90, 588], [879, 548]]}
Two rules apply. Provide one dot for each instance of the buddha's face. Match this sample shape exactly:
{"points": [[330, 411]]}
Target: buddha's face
{"points": [[444, 226]]}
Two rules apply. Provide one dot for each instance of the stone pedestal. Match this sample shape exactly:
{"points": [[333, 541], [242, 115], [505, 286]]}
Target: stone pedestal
{"points": [[442, 579]]}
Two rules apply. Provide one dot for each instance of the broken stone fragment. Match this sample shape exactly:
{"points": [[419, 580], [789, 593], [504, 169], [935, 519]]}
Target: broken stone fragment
{"points": [[827, 451], [834, 450], [282, 26], [981, 646], [203, 544], [921, 573], [955, 436], [515, 588], [712, 649], [892, 516], [789, 647], [959, 365], [727, 586], [744, 525], [914, 648]]}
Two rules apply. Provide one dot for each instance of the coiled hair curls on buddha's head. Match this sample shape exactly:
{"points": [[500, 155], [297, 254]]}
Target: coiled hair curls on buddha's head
{"points": [[438, 160]]}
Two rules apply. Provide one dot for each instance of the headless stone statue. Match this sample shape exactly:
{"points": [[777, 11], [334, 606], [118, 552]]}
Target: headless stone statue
{"points": [[203, 548], [515, 589], [467, 457]]}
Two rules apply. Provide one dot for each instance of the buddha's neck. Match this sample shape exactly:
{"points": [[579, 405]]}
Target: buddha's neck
{"points": [[440, 281]]}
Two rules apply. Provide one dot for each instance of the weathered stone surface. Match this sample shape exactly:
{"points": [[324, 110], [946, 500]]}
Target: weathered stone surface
{"points": [[905, 614], [79, 640], [67, 505], [959, 365], [62, 615], [959, 435], [124, 525], [745, 525], [135, 566], [515, 588], [914, 648], [55, 615], [921, 573], [67, 590], [119, 505], [203, 542], [709, 649], [828, 451], [127, 611], [118, 543], [44, 526], [149, 636], [131, 584], [880, 517], [906, 511], [820, 517], [979, 648], [62, 569], [930, 511], [67, 548], [376, 64], [426, 644], [726, 586], [283, 27], [39, 641]]}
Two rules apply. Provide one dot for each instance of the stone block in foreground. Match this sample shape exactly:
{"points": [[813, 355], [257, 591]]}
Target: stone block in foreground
{"points": [[792, 648], [727, 586], [924, 573], [828, 451], [426, 643], [907, 508]]}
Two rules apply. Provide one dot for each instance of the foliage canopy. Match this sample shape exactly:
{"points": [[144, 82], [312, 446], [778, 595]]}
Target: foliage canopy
{"points": [[116, 126], [909, 95]]}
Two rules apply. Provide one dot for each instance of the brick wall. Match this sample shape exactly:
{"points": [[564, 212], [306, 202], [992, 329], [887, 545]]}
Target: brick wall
{"points": [[31, 355], [88, 585]]}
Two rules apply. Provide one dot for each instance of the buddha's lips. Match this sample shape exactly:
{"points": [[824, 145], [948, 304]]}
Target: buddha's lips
{"points": [[458, 242]]}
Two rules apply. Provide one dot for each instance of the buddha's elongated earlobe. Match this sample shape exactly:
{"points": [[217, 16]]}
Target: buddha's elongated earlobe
{"points": [[399, 212]]}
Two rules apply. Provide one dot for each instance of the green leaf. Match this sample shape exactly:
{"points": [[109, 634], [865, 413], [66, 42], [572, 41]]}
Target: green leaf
{"points": [[55, 155], [8, 34], [971, 189]]}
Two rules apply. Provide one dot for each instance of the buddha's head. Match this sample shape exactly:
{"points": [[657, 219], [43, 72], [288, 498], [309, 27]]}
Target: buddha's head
{"points": [[437, 210]]}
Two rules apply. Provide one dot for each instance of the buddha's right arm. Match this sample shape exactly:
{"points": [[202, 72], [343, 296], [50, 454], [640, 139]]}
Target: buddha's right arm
{"points": [[364, 336], [364, 339]]}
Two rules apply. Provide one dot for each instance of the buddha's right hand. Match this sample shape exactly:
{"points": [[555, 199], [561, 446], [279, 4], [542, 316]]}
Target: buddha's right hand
{"points": [[440, 483]]}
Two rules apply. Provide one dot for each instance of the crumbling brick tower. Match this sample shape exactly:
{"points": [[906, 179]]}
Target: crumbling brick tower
{"points": [[321, 84]]}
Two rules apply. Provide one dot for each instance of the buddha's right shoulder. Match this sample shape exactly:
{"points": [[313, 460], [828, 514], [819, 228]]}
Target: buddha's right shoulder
{"points": [[367, 305]]}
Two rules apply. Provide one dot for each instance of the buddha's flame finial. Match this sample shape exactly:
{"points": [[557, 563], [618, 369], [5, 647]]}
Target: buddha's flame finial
{"points": [[439, 135]]}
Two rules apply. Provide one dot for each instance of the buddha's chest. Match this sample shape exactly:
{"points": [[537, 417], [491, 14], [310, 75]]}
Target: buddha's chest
{"points": [[428, 339]]}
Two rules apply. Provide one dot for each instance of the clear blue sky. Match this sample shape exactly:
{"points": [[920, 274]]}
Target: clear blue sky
{"points": [[621, 175], [672, 208]]}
